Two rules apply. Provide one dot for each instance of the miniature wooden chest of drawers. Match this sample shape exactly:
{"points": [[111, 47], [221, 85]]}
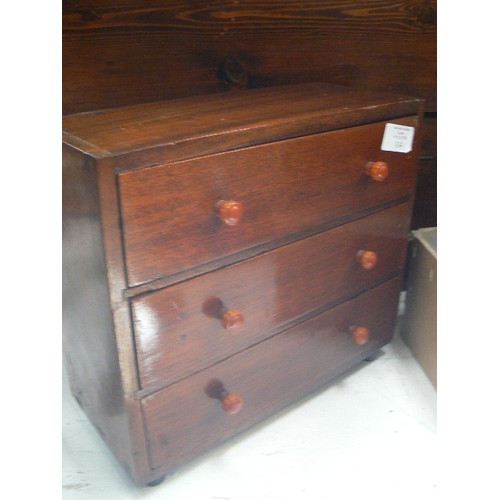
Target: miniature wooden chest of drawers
{"points": [[225, 255]]}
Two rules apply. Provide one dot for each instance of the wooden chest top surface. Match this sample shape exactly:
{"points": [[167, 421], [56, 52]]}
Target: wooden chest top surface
{"points": [[186, 128]]}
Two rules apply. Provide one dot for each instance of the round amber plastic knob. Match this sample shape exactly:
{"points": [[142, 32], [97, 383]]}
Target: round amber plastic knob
{"points": [[229, 211], [231, 318], [377, 170], [231, 403], [360, 334], [367, 259]]}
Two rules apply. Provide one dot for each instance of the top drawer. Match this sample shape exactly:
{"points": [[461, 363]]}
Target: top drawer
{"points": [[285, 188]]}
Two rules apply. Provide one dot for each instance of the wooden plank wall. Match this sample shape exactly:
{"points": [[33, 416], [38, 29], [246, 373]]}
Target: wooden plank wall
{"points": [[118, 52]]}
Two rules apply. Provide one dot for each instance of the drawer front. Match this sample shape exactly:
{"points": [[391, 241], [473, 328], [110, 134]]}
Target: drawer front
{"points": [[184, 328], [168, 212], [187, 418]]}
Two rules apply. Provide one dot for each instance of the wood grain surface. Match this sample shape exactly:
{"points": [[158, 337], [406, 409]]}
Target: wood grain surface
{"points": [[178, 331], [185, 419], [169, 221], [142, 359], [197, 126], [90, 351], [126, 52]]}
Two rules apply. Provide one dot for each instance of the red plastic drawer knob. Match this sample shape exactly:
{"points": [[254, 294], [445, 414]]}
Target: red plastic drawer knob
{"points": [[230, 212], [367, 259], [377, 170], [360, 334], [231, 318], [231, 403]]}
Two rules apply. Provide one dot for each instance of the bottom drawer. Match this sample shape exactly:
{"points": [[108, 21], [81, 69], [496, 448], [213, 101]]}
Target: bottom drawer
{"points": [[193, 415]]}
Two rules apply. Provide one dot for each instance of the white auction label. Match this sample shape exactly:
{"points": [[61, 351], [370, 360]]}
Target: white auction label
{"points": [[397, 138]]}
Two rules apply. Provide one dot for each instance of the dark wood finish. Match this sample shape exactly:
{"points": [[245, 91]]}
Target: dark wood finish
{"points": [[127, 52], [118, 53], [99, 376], [155, 208], [175, 337], [265, 378], [175, 130], [275, 298]]}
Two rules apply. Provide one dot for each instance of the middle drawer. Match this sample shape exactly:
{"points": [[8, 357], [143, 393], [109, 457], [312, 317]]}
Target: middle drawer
{"points": [[184, 328]]}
